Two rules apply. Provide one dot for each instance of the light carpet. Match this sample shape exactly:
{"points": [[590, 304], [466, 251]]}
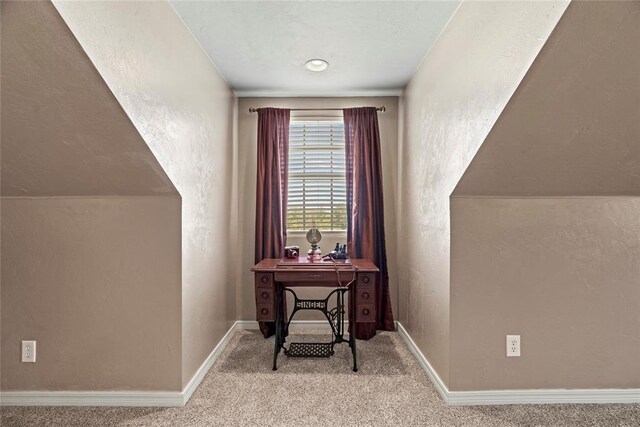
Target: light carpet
{"points": [[390, 389]]}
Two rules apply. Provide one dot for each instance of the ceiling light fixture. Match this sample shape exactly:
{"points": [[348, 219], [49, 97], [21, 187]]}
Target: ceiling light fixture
{"points": [[316, 65]]}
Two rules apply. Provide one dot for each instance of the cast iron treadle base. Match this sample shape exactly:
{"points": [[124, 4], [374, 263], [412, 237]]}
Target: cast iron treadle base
{"points": [[309, 349]]}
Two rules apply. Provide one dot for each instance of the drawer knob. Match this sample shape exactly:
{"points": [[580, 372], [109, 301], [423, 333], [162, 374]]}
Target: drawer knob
{"points": [[265, 311], [264, 295], [365, 311], [365, 279], [264, 279], [365, 295]]}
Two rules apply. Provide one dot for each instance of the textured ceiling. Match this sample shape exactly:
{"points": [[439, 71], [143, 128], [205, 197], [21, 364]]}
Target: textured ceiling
{"points": [[63, 132], [260, 47]]}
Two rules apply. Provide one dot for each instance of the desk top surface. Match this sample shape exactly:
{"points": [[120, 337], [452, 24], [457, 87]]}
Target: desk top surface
{"points": [[303, 264]]}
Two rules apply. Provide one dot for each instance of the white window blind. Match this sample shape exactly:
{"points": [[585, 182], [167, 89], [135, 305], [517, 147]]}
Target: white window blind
{"points": [[317, 187]]}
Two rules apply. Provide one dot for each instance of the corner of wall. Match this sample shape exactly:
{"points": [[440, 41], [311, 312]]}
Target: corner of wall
{"points": [[450, 105]]}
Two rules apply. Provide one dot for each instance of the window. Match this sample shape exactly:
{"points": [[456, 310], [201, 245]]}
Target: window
{"points": [[317, 186]]}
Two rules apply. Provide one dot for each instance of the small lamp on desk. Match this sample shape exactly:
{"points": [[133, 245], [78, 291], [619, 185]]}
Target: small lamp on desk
{"points": [[313, 237]]}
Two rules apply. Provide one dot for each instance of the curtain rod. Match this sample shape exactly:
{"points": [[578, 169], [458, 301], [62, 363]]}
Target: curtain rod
{"points": [[382, 109]]}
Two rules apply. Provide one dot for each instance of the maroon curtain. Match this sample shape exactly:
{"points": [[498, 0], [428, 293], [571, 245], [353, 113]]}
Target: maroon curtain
{"points": [[271, 185], [365, 208]]}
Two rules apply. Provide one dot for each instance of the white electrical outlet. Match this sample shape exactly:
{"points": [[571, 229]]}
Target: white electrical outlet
{"points": [[28, 351], [513, 345]]}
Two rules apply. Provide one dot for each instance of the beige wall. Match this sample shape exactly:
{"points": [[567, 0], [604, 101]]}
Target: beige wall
{"points": [[247, 148], [449, 107], [572, 127], [52, 92], [184, 109], [564, 274], [561, 268], [96, 282]]}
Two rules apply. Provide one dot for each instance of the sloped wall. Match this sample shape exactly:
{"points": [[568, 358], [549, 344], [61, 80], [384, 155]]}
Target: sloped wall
{"points": [[185, 111], [545, 222], [90, 257], [63, 132], [573, 126], [449, 107]]}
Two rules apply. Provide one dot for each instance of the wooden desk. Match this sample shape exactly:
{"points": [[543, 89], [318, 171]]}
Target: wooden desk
{"points": [[273, 275]]}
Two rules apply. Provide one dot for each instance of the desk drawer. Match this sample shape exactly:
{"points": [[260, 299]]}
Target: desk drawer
{"points": [[366, 296], [366, 279], [312, 276], [264, 280], [265, 313], [265, 296], [366, 313]]}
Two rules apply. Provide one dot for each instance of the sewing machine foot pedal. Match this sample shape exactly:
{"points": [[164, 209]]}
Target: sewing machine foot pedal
{"points": [[309, 349]]}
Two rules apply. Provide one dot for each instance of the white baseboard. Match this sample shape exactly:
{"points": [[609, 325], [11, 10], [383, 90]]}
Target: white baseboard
{"points": [[91, 398], [441, 388], [514, 397], [118, 398], [541, 396], [208, 363]]}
